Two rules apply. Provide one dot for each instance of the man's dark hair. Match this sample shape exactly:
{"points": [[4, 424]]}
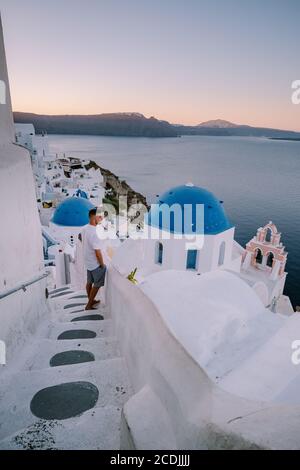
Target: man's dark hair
{"points": [[93, 212]]}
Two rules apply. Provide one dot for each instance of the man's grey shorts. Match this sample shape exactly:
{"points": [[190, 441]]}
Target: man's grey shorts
{"points": [[97, 276]]}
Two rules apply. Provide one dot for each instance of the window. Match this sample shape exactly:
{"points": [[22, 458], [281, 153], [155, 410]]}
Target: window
{"points": [[268, 235], [159, 253], [221, 254], [191, 259], [258, 256], [270, 260]]}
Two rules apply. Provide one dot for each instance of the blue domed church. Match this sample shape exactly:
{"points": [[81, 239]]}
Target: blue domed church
{"points": [[69, 218], [72, 212], [190, 230]]}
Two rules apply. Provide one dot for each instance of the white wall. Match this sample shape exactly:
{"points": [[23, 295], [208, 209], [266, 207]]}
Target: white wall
{"points": [[21, 253], [176, 405], [142, 253], [6, 119], [63, 234], [261, 291], [278, 288]]}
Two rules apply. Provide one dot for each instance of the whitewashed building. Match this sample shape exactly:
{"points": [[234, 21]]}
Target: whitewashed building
{"points": [[22, 282], [188, 230]]}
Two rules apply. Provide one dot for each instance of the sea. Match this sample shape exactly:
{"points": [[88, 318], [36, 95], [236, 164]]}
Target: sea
{"points": [[257, 178]]}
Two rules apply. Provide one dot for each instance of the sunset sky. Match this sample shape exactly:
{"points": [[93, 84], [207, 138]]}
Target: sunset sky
{"points": [[185, 61]]}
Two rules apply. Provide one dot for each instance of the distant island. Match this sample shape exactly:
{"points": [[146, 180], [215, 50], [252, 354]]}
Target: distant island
{"points": [[137, 125], [220, 127]]}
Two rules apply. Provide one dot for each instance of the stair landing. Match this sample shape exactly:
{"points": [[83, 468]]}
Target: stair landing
{"points": [[70, 388]]}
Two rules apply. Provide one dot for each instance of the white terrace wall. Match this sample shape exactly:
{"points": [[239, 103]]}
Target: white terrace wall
{"points": [[21, 254], [6, 117], [176, 405]]}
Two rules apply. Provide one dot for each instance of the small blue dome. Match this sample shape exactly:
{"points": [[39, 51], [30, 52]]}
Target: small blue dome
{"points": [[81, 193], [215, 219], [73, 212]]}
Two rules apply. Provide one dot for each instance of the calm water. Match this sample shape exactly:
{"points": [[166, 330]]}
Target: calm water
{"points": [[258, 179]]}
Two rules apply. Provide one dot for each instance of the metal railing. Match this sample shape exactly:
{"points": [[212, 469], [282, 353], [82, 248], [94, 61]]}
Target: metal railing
{"points": [[23, 285]]}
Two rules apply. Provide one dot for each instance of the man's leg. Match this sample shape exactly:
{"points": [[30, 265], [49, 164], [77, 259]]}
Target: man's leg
{"points": [[89, 282], [88, 288], [93, 293]]}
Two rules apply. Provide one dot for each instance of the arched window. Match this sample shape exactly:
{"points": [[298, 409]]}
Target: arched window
{"points": [[221, 254], [159, 253], [268, 235], [191, 259], [258, 256], [270, 260]]}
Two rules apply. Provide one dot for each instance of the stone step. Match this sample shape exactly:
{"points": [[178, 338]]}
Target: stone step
{"points": [[109, 378], [96, 429], [62, 295], [100, 348], [68, 296], [100, 329], [67, 287], [70, 315], [62, 310], [82, 316]]}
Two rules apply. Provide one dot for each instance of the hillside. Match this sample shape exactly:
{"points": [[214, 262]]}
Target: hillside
{"points": [[237, 130], [118, 124], [137, 125]]}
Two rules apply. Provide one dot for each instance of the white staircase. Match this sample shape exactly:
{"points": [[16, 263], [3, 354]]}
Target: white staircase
{"points": [[98, 427]]}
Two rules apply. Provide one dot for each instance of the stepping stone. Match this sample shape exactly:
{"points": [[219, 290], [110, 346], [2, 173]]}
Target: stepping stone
{"points": [[71, 357], [73, 305], [64, 401], [56, 291], [61, 294], [77, 334], [79, 297], [88, 317]]}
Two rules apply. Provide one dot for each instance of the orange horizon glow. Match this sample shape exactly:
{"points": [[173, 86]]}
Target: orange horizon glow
{"points": [[178, 118]]}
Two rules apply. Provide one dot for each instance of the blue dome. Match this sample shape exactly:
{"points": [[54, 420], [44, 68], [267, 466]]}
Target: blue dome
{"points": [[73, 212], [215, 219], [81, 193]]}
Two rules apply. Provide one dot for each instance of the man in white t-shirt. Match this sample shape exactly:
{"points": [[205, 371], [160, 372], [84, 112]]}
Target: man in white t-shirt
{"points": [[96, 269]]}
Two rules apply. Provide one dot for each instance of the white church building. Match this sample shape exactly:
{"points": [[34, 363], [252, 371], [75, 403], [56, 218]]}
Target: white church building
{"points": [[188, 230]]}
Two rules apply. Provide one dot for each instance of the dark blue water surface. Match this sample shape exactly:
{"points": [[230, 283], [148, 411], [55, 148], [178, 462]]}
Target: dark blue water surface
{"points": [[258, 179]]}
